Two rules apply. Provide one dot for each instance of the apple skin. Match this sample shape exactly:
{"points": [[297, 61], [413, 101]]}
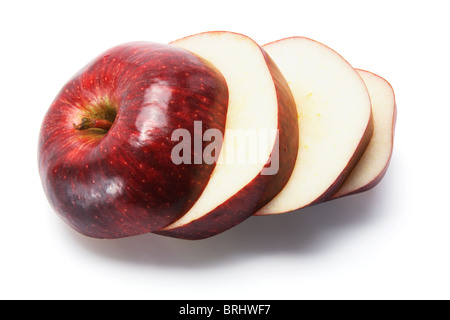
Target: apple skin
{"points": [[381, 175], [122, 182], [263, 188]]}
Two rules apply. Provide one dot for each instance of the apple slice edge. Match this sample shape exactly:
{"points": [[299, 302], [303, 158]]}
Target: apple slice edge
{"points": [[366, 131], [261, 188], [388, 122]]}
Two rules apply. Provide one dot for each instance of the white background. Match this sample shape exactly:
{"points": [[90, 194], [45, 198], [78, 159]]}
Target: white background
{"points": [[389, 243]]}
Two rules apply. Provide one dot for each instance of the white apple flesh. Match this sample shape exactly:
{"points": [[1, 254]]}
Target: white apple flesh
{"points": [[334, 117], [259, 102], [374, 163]]}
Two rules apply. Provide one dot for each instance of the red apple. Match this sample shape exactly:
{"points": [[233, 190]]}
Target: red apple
{"points": [[105, 144]]}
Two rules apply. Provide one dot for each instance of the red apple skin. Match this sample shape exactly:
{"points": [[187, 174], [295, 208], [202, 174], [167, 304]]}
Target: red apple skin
{"points": [[263, 188], [381, 175], [124, 182]]}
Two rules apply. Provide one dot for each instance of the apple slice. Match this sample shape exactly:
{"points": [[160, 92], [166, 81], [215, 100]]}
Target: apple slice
{"points": [[334, 117], [374, 163], [260, 105]]}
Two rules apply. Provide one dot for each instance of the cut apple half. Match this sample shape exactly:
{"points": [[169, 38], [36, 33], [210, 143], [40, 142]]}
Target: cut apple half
{"points": [[260, 140], [374, 163], [334, 118]]}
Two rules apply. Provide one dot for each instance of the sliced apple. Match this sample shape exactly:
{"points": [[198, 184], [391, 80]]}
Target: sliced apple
{"points": [[334, 117], [259, 102], [374, 163]]}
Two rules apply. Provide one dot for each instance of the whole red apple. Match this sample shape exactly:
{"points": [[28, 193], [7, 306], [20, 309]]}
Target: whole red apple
{"points": [[105, 144]]}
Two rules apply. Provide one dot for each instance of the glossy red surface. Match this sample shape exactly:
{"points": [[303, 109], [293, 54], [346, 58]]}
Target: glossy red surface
{"points": [[123, 182]]}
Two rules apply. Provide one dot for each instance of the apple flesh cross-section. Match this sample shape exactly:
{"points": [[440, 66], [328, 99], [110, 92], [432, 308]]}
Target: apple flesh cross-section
{"points": [[259, 101], [334, 118], [374, 163]]}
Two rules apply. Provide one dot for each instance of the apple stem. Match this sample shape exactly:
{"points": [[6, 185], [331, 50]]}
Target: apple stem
{"points": [[88, 123]]}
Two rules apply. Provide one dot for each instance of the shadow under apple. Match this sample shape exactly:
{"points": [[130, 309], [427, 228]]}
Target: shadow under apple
{"points": [[306, 231]]}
